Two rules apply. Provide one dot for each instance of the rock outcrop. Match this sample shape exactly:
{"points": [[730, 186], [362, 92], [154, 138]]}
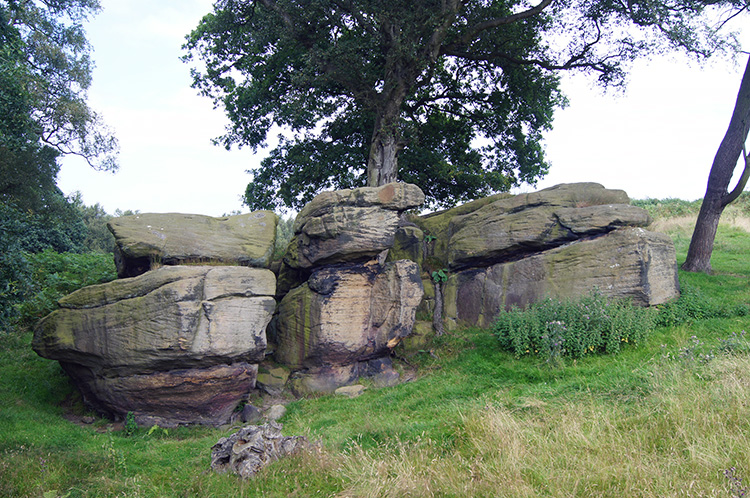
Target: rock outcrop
{"points": [[177, 345], [560, 242], [345, 315], [629, 263], [173, 239], [182, 344], [343, 306], [349, 225]]}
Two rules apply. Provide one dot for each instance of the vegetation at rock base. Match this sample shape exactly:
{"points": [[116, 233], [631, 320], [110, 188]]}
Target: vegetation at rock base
{"points": [[665, 418], [451, 95]]}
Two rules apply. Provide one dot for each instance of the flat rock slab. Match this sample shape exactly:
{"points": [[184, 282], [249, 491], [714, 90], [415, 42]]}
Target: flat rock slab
{"points": [[629, 263], [519, 226], [173, 239], [172, 329]]}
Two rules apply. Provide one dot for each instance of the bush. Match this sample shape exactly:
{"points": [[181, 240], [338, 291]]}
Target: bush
{"points": [[553, 329], [54, 275]]}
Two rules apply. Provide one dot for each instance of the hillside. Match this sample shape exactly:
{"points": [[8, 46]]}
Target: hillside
{"points": [[664, 417]]}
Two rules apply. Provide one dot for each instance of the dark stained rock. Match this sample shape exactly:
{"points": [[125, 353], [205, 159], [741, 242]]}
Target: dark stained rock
{"points": [[167, 398], [348, 313]]}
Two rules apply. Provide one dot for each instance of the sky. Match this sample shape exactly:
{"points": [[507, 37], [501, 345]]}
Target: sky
{"points": [[655, 140]]}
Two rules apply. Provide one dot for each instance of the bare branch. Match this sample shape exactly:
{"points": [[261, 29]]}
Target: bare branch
{"points": [[475, 30]]}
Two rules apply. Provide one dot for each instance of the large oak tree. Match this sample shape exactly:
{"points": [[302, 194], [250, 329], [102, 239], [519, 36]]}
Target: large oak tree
{"points": [[453, 95]]}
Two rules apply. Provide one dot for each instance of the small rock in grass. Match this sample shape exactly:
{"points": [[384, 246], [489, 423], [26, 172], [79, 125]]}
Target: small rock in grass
{"points": [[350, 391], [276, 412]]}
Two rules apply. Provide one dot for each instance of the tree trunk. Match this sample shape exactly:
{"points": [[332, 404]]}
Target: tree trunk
{"points": [[382, 165], [437, 313], [717, 196]]}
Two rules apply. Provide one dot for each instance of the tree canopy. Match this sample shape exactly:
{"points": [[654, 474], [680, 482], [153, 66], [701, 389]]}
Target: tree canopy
{"points": [[45, 72], [453, 95]]}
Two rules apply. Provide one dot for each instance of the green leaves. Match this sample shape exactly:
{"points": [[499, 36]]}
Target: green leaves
{"points": [[463, 91], [45, 70]]}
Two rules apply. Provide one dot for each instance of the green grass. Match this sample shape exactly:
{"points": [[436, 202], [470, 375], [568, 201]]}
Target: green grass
{"points": [[661, 419]]}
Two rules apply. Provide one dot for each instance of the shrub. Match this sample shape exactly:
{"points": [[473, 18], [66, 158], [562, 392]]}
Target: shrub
{"points": [[53, 275], [553, 329]]}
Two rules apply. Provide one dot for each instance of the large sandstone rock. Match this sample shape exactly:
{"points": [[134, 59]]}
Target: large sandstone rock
{"points": [[349, 225], [179, 344], [347, 314], [525, 224], [174, 239], [625, 263]]}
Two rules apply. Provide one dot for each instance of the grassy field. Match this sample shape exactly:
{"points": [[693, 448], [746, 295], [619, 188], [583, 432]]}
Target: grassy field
{"points": [[668, 417]]}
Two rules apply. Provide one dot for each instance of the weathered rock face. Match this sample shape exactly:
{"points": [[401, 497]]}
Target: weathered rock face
{"points": [[349, 225], [559, 242], [179, 344], [173, 239], [253, 447], [530, 223], [347, 314], [627, 263]]}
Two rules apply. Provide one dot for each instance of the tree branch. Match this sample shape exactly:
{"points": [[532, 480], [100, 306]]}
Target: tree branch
{"points": [[500, 21], [731, 197]]}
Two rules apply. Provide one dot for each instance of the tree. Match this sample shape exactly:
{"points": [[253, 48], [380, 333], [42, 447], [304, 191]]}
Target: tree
{"points": [[45, 71], [453, 95], [717, 196]]}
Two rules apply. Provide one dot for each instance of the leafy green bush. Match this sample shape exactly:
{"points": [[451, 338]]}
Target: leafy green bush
{"points": [[553, 329], [53, 275]]}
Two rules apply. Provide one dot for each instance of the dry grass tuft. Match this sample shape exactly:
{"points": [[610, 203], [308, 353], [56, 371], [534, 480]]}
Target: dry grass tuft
{"points": [[687, 223]]}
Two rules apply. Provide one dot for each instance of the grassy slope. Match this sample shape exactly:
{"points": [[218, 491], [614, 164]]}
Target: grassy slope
{"points": [[651, 421]]}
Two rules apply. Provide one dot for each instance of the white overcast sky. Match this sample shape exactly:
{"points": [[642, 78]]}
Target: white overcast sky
{"points": [[656, 140]]}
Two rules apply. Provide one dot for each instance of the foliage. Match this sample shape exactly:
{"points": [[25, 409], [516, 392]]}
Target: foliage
{"points": [[695, 305], [440, 276], [98, 236], [54, 275], [284, 234], [46, 65], [460, 92], [33, 276], [592, 324]]}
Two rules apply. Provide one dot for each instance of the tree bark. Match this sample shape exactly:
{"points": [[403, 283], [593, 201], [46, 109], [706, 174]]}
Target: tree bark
{"points": [[717, 196], [437, 313], [382, 165]]}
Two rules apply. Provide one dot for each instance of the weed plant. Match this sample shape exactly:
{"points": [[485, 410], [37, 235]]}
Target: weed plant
{"points": [[553, 329], [54, 275]]}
